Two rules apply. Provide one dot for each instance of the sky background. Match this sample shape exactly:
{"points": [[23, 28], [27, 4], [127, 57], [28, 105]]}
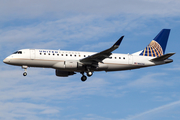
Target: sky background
{"points": [[89, 25]]}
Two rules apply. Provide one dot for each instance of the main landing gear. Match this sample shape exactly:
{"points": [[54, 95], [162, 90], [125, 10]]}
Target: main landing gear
{"points": [[84, 78], [25, 70], [89, 74]]}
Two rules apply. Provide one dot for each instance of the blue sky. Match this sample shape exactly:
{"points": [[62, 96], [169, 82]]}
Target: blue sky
{"points": [[150, 93]]}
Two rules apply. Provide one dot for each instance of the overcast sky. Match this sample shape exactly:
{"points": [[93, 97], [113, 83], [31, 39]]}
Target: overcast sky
{"points": [[89, 25]]}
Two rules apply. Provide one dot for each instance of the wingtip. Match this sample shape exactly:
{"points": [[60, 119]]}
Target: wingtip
{"points": [[119, 41]]}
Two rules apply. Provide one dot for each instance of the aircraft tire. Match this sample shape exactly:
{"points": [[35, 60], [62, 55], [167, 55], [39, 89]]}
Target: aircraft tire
{"points": [[89, 74], [25, 74], [83, 78]]}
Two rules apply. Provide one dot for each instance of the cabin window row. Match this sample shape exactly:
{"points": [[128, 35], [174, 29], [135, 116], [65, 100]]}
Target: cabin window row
{"points": [[78, 55], [117, 57], [63, 55]]}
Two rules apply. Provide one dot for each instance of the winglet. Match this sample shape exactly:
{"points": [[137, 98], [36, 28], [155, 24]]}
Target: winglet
{"points": [[118, 42]]}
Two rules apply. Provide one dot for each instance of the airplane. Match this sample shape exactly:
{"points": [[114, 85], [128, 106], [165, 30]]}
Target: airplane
{"points": [[67, 63]]}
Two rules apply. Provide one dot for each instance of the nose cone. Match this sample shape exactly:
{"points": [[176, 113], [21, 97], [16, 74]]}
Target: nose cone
{"points": [[6, 60]]}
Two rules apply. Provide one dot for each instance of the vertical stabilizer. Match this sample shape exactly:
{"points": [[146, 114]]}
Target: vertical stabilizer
{"points": [[157, 46]]}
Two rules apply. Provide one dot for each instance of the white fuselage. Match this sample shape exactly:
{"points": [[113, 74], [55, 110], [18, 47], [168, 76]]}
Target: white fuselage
{"points": [[70, 60], [68, 63]]}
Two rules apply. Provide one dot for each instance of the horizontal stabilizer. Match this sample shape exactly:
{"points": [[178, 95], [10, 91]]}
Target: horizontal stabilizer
{"points": [[163, 57]]}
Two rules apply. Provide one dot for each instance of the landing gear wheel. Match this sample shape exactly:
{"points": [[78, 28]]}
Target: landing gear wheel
{"points": [[25, 70], [83, 78], [25, 74], [89, 74]]}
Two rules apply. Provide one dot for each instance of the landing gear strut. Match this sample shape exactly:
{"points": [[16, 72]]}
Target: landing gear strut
{"points": [[83, 78], [25, 69]]}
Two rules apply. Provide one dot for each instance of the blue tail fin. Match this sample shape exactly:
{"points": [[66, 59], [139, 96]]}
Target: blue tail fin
{"points": [[157, 46]]}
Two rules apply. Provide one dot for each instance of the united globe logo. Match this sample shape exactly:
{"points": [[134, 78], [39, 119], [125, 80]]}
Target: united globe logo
{"points": [[153, 50]]}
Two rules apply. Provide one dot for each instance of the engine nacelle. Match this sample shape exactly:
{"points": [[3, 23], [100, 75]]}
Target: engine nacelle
{"points": [[64, 73], [71, 65]]}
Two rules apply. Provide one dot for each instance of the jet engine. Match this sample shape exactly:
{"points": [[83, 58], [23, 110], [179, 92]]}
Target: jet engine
{"points": [[60, 73], [71, 65]]}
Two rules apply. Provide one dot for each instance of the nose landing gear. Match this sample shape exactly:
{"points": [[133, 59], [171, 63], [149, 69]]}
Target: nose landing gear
{"points": [[25, 70], [25, 74]]}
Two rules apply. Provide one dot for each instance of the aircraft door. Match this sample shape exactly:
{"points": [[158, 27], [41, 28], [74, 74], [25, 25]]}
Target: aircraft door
{"points": [[130, 59], [32, 54]]}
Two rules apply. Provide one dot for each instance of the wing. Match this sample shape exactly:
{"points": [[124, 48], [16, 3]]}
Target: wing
{"points": [[99, 57]]}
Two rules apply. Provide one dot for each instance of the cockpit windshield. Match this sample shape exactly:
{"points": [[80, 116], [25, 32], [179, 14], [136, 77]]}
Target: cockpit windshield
{"points": [[18, 52]]}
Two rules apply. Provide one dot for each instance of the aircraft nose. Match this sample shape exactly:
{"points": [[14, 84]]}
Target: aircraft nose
{"points": [[6, 60]]}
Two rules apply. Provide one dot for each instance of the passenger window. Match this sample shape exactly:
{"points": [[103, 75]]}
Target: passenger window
{"points": [[66, 54], [44, 53], [61, 54], [75, 55], [84, 55], [57, 54], [40, 53], [123, 57], [49, 54], [115, 57], [119, 57]]}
